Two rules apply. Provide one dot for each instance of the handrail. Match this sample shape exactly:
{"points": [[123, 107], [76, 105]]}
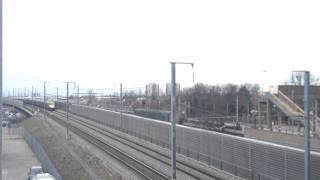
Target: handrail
{"points": [[283, 104], [290, 101]]}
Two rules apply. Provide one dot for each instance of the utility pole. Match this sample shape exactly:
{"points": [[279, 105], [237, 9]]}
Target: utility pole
{"points": [[67, 108], [227, 109], [173, 121], [32, 98], [67, 105], [78, 99], [1, 69], [307, 126], [121, 104], [44, 99], [259, 114], [57, 93], [307, 171], [262, 76], [173, 117], [179, 106], [237, 110], [315, 115]]}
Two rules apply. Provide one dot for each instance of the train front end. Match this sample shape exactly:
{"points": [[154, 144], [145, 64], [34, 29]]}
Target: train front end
{"points": [[51, 105]]}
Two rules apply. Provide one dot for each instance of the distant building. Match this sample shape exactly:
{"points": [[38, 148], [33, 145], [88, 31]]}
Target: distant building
{"points": [[152, 90], [168, 89]]}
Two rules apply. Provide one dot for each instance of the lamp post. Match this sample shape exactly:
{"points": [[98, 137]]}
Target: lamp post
{"points": [[173, 117]]}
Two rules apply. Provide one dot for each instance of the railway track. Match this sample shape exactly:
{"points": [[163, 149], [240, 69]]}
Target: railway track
{"points": [[161, 157], [137, 166]]}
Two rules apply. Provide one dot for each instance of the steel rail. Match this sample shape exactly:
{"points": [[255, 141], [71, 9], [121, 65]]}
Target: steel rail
{"points": [[141, 168], [133, 146]]}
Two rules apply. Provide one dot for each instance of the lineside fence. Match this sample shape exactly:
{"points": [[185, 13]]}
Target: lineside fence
{"points": [[37, 149], [247, 158]]}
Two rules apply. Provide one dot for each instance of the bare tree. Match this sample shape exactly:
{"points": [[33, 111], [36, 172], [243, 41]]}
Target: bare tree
{"points": [[297, 79], [91, 96], [219, 100], [315, 80]]}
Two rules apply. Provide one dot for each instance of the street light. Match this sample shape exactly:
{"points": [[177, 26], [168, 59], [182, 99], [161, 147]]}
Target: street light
{"points": [[67, 107], [173, 116]]}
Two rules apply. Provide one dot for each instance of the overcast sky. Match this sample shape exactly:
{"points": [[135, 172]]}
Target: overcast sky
{"points": [[99, 43]]}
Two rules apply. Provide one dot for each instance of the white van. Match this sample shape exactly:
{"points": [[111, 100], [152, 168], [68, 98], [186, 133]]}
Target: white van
{"points": [[43, 176], [34, 170]]}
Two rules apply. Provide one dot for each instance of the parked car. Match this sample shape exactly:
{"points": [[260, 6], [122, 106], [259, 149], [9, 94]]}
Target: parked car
{"points": [[44, 176], [34, 170]]}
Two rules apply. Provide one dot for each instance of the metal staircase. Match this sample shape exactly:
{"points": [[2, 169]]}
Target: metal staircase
{"points": [[291, 109], [287, 106]]}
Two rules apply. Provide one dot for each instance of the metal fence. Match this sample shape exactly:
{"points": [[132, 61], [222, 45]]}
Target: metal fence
{"points": [[251, 159], [37, 150], [247, 158]]}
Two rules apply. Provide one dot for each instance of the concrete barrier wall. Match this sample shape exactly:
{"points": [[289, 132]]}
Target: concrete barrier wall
{"points": [[243, 157]]}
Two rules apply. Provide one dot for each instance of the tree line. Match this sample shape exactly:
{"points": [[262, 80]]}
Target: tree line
{"points": [[219, 100]]}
